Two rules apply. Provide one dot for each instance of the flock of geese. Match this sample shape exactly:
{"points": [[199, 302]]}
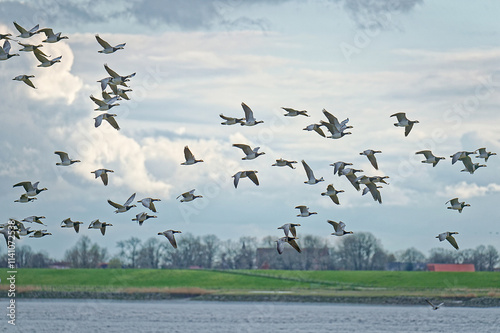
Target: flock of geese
{"points": [[330, 128]]}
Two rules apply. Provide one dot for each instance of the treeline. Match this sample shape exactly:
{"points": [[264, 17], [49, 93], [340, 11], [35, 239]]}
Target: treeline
{"points": [[361, 251]]}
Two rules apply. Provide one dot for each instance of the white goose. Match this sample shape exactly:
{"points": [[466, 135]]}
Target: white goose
{"points": [[120, 92], [371, 187], [332, 193], [449, 237], [103, 105], [251, 174], [370, 153], [170, 236], [469, 166], [316, 128], [109, 117], [24, 198], [107, 48], [31, 188], [434, 307], [67, 223], [190, 159], [281, 162], [338, 167], [350, 174], [149, 203], [304, 211], [339, 126], [249, 152], [188, 196], [339, 228], [290, 228], [484, 154], [51, 36], [455, 205], [141, 217], [44, 62], [280, 246], [4, 51], [103, 173], [40, 233], [31, 48], [26, 33], [460, 154], [404, 122], [429, 157], [22, 230], [65, 160], [115, 78], [311, 180], [293, 113], [96, 224], [34, 219], [335, 133], [231, 120], [25, 79], [249, 118], [125, 207]]}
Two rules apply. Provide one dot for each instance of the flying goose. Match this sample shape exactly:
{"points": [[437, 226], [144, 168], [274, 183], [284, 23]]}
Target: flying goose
{"points": [[281, 162], [371, 187], [404, 122], [25, 79], [115, 78], [250, 154], [120, 92], [460, 154], [44, 62], [339, 126], [249, 118], [469, 166], [484, 154], [65, 160], [332, 193], [96, 224], [230, 120], [109, 117], [370, 153], [51, 36], [293, 113], [316, 128], [30, 188], [188, 196], [31, 48], [22, 230], [455, 205], [106, 97], [429, 157], [107, 49], [4, 51], [334, 131], [378, 179], [26, 33], [125, 207], [149, 203], [339, 228], [434, 307], [189, 157], [40, 233], [350, 174], [170, 236], [141, 217], [290, 227], [103, 173], [310, 175], [104, 106], [304, 211], [449, 237], [67, 223], [252, 174], [24, 198], [280, 246], [34, 219], [338, 167], [367, 189]]}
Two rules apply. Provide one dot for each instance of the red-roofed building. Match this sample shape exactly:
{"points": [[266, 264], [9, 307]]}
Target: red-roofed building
{"points": [[451, 267]]}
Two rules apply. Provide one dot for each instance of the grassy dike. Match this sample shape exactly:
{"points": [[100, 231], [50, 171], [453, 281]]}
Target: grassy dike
{"points": [[380, 287]]}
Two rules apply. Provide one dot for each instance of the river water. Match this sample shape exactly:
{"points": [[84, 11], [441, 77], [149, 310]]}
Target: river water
{"points": [[217, 317]]}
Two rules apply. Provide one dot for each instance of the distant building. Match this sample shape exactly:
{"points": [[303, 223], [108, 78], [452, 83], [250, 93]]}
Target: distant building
{"points": [[405, 266], [451, 267], [60, 265]]}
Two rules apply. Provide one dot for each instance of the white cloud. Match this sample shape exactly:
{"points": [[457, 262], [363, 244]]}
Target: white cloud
{"points": [[464, 190]]}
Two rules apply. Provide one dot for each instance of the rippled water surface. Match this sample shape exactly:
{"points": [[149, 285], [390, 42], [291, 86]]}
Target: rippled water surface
{"points": [[217, 317]]}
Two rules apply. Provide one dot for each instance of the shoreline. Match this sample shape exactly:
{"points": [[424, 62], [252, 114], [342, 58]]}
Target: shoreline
{"points": [[456, 301]]}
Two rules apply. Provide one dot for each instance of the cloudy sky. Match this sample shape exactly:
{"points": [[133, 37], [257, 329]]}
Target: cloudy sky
{"points": [[363, 60]]}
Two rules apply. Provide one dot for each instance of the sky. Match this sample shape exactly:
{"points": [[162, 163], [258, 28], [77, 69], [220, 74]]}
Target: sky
{"points": [[363, 60]]}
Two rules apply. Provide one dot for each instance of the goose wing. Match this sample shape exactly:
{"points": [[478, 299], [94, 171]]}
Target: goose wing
{"points": [[102, 42], [335, 225], [427, 153], [6, 46], [77, 227], [452, 241], [401, 116], [38, 54], [171, 239], [47, 31], [253, 177], [467, 163], [318, 130], [452, 202], [28, 187], [352, 179], [246, 148], [335, 199], [236, 177], [104, 177], [129, 200], [98, 120], [408, 128], [332, 119], [309, 172], [35, 28], [429, 302], [280, 244], [19, 28], [294, 244], [187, 154], [373, 160], [98, 101], [114, 204], [112, 121], [293, 230], [248, 112], [63, 155], [110, 71], [29, 83]]}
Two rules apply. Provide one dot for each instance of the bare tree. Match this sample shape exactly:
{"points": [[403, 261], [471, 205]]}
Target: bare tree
{"points": [[129, 251], [85, 254], [150, 254], [361, 251]]}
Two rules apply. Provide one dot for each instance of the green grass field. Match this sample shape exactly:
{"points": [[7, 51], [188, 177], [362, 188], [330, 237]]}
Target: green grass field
{"points": [[347, 283]]}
